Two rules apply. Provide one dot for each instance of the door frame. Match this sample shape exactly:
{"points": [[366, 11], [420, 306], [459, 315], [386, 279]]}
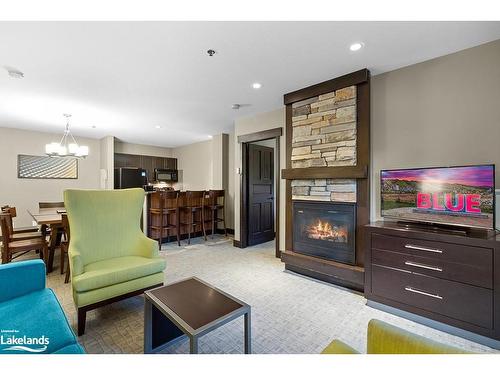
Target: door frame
{"points": [[244, 140]]}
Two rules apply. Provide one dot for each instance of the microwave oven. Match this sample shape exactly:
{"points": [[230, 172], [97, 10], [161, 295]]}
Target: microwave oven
{"points": [[166, 175]]}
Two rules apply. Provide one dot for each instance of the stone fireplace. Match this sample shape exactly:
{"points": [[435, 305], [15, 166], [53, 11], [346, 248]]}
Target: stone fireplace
{"points": [[327, 179], [325, 230]]}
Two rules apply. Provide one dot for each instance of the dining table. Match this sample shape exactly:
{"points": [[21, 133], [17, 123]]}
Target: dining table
{"points": [[49, 218]]}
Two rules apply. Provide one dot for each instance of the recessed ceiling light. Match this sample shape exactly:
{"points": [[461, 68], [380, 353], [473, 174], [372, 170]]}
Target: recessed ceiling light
{"points": [[210, 136], [236, 106], [158, 126], [256, 85], [93, 126], [356, 46]]}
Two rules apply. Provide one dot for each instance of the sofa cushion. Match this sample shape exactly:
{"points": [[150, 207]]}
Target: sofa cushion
{"points": [[116, 270], [36, 315], [71, 349]]}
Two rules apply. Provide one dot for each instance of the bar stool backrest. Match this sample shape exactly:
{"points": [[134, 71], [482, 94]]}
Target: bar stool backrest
{"points": [[170, 199], [195, 198], [216, 197]]}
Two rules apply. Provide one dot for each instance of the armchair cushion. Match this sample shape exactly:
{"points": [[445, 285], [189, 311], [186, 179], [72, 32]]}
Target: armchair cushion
{"points": [[116, 270], [20, 278]]}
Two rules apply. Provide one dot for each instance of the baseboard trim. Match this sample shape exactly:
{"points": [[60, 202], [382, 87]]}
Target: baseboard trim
{"points": [[471, 336], [237, 244]]}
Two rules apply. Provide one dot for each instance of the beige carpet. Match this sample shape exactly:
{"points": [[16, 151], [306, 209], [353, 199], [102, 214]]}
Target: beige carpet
{"points": [[290, 313]]}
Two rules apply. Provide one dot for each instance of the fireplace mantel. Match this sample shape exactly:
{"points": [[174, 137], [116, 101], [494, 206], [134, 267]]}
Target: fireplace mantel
{"points": [[354, 172]]}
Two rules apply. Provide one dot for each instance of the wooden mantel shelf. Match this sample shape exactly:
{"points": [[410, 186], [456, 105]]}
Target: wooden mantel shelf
{"points": [[358, 172]]}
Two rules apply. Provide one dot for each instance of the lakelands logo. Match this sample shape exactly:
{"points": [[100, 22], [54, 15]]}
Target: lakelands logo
{"points": [[10, 340]]}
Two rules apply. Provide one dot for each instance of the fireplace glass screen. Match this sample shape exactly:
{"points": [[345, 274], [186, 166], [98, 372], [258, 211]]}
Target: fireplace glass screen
{"points": [[325, 230]]}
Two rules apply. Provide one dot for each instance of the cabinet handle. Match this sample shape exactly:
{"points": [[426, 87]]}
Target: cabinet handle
{"points": [[408, 263], [415, 247], [413, 290]]}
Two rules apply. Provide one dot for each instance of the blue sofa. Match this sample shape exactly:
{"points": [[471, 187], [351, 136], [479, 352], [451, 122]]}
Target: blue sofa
{"points": [[31, 318]]}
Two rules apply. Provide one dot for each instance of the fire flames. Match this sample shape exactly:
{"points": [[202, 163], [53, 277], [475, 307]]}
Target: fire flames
{"points": [[323, 230]]}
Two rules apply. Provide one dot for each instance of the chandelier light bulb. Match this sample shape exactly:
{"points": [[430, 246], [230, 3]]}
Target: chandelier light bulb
{"points": [[67, 146]]}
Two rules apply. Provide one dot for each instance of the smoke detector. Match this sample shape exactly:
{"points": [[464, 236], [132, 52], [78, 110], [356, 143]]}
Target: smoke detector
{"points": [[211, 52], [236, 106], [14, 73]]}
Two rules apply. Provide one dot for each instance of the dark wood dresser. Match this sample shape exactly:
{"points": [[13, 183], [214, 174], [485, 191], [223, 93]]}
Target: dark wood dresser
{"points": [[445, 277]]}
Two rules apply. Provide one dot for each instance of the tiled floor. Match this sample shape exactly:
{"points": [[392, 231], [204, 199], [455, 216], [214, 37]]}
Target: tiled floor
{"points": [[290, 313]]}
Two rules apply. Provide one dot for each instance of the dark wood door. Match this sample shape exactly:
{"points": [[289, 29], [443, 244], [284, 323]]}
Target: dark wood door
{"points": [[260, 194]]}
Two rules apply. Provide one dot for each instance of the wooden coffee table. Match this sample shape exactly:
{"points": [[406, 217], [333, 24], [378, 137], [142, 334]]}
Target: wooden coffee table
{"points": [[191, 308]]}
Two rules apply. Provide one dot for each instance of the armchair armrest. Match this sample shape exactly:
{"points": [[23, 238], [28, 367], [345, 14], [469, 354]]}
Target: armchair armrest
{"points": [[20, 278], [75, 260], [339, 347], [147, 247]]}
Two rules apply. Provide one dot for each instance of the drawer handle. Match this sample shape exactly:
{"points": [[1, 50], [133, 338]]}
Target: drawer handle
{"points": [[415, 247], [408, 263], [413, 290]]}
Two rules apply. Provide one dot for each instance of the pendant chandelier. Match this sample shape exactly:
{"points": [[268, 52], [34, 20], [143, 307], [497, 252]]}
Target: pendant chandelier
{"points": [[67, 147]]}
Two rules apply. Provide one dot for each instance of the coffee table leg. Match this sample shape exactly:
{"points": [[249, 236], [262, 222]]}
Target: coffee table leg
{"points": [[148, 341], [248, 334], [193, 345]]}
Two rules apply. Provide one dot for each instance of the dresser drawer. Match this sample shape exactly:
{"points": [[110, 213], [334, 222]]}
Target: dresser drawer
{"points": [[477, 257], [464, 273], [455, 300]]}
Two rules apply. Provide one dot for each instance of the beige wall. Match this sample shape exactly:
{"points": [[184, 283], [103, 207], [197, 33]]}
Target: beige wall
{"points": [[25, 194], [137, 149], [195, 164], [440, 112], [263, 121]]}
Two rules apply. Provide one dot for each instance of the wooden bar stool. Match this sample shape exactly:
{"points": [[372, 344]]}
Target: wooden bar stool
{"points": [[193, 207], [21, 247], [216, 201], [163, 206]]}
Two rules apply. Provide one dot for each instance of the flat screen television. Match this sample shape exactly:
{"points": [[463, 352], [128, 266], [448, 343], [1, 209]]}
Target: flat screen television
{"points": [[459, 196]]}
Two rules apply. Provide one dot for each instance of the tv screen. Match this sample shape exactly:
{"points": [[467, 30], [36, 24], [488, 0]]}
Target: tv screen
{"points": [[462, 196]]}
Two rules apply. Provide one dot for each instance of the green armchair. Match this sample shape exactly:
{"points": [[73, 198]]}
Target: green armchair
{"points": [[384, 338], [110, 257]]}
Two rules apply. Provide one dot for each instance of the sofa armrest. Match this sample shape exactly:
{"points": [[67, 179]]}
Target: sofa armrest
{"points": [[20, 278], [147, 247], [339, 347], [75, 260]]}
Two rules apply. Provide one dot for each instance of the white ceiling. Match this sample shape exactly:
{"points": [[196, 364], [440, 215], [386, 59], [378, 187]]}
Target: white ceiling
{"points": [[125, 78]]}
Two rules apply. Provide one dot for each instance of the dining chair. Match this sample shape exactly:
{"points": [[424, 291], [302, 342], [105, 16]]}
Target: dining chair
{"points": [[64, 248], [17, 234], [20, 233], [14, 249]]}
